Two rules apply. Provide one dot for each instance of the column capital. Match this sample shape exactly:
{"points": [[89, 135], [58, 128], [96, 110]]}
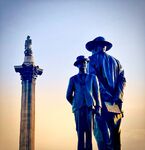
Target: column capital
{"points": [[28, 72]]}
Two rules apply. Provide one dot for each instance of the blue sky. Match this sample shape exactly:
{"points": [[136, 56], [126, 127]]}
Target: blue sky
{"points": [[59, 32]]}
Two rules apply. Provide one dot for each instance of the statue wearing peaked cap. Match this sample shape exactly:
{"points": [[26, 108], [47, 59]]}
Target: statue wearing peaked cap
{"points": [[83, 95]]}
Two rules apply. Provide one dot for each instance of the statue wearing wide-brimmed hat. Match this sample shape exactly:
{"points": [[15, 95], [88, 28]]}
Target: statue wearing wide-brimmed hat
{"points": [[98, 41], [111, 81]]}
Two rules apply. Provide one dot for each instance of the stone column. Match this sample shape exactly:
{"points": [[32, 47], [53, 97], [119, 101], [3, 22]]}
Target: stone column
{"points": [[28, 72]]}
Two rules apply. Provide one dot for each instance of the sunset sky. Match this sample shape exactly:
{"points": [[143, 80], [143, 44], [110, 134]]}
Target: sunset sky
{"points": [[59, 30]]}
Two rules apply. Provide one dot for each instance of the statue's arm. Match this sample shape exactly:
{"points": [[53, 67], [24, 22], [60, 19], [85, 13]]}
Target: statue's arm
{"points": [[121, 82], [96, 93], [70, 91]]}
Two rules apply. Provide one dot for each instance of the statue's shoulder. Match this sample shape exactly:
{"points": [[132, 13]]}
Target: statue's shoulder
{"points": [[73, 77]]}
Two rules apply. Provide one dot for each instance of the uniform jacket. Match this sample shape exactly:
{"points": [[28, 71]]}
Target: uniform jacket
{"points": [[83, 92]]}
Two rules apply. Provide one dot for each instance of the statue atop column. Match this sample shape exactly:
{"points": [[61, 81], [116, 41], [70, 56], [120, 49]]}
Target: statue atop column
{"points": [[28, 72], [28, 46]]}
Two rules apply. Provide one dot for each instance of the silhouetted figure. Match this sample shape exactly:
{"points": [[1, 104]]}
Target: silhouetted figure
{"points": [[28, 43], [111, 81], [83, 95], [28, 48]]}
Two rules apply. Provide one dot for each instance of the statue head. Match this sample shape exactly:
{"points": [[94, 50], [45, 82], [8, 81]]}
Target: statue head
{"points": [[98, 43], [81, 62]]}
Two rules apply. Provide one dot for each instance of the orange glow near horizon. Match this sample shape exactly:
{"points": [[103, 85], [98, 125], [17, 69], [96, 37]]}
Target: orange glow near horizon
{"points": [[54, 123]]}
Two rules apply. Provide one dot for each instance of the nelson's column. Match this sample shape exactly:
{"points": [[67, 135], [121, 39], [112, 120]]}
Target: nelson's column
{"points": [[28, 72]]}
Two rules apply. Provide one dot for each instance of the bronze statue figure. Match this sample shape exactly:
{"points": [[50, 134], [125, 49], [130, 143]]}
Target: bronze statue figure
{"points": [[83, 95], [111, 79]]}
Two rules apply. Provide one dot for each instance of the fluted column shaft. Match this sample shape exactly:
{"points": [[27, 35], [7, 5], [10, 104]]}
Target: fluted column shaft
{"points": [[27, 126]]}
